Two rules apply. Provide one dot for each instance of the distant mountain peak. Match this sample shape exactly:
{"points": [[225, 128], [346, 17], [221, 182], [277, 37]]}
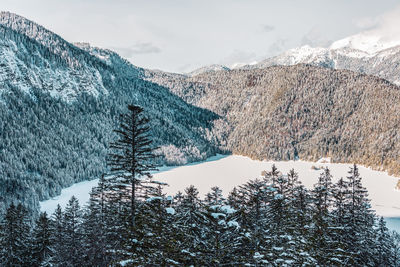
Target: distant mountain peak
{"points": [[367, 52], [210, 68], [370, 43]]}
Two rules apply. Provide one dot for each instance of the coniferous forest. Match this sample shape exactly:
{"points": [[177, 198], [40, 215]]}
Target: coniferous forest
{"points": [[270, 221], [273, 221], [70, 112]]}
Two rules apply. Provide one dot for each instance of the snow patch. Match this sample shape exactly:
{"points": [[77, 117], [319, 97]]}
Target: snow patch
{"points": [[324, 160], [170, 211]]}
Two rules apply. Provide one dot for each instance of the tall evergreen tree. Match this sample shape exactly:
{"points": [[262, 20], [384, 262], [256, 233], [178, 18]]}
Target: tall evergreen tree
{"points": [[360, 233], [57, 237], [191, 222], [131, 159], [15, 237], [95, 230], [322, 220], [383, 243], [41, 248], [73, 233], [253, 219]]}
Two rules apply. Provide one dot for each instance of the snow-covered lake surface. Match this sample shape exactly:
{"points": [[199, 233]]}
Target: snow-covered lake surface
{"points": [[229, 171]]}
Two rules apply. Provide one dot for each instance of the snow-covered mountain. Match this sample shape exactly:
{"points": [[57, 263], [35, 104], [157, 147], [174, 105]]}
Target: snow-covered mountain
{"points": [[59, 103], [364, 53], [33, 57], [210, 68], [368, 42]]}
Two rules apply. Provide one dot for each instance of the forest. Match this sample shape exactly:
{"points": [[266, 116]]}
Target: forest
{"points": [[271, 221], [129, 221], [59, 104], [299, 112]]}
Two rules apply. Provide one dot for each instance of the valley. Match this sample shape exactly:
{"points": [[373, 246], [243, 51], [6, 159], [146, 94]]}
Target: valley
{"points": [[229, 171], [286, 159]]}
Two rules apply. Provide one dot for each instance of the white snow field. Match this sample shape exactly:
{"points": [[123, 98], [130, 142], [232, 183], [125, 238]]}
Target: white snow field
{"points": [[229, 171]]}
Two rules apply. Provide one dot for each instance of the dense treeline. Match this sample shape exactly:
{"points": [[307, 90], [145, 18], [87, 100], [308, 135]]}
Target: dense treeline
{"points": [[282, 113], [272, 220], [47, 144]]}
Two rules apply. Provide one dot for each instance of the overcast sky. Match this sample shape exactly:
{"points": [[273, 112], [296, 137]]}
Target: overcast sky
{"points": [[182, 35]]}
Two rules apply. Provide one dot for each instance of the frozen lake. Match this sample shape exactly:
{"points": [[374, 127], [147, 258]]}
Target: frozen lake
{"points": [[229, 171]]}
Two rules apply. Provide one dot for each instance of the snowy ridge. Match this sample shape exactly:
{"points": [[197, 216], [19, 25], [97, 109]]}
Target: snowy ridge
{"points": [[33, 57], [211, 68], [368, 43], [365, 52]]}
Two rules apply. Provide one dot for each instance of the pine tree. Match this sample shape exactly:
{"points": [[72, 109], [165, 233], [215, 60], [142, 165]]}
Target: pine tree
{"points": [[395, 248], [322, 220], [158, 244], [383, 245], [360, 233], [253, 219], [57, 237], [221, 228], [16, 237], [41, 249], [73, 232], [190, 223], [131, 160], [214, 197], [340, 220], [95, 231]]}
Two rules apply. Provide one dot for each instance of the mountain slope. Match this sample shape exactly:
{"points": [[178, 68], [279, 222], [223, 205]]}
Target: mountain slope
{"points": [[31, 56], [58, 106], [301, 111]]}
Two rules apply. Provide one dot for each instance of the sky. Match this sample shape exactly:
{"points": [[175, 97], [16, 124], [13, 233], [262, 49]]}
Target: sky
{"points": [[182, 35]]}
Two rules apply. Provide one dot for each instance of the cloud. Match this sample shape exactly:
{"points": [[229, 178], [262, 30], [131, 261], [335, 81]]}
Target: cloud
{"points": [[238, 57], [315, 38], [268, 28], [137, 49], [186, 68], [277, 47], [387, 27], [366, 23]]}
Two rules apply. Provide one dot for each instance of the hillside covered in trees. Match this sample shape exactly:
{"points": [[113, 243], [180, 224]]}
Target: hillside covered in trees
{"points": [[306, 112], [59, 104]]}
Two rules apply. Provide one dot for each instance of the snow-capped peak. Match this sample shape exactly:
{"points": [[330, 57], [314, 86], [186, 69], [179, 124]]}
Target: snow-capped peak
{"points": [[210, 68], [304, 53], [370, 43]]}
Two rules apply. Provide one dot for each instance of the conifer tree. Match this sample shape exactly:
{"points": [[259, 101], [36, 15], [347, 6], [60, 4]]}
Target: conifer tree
{"points": [[340, 219], [73, 233], [15, 237], [360, 233], [41, 248], [253, 220], [190, 223], [214, 197], [57, 237], [131, 159], [383, 243], [96, 238], [322, 219]]}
